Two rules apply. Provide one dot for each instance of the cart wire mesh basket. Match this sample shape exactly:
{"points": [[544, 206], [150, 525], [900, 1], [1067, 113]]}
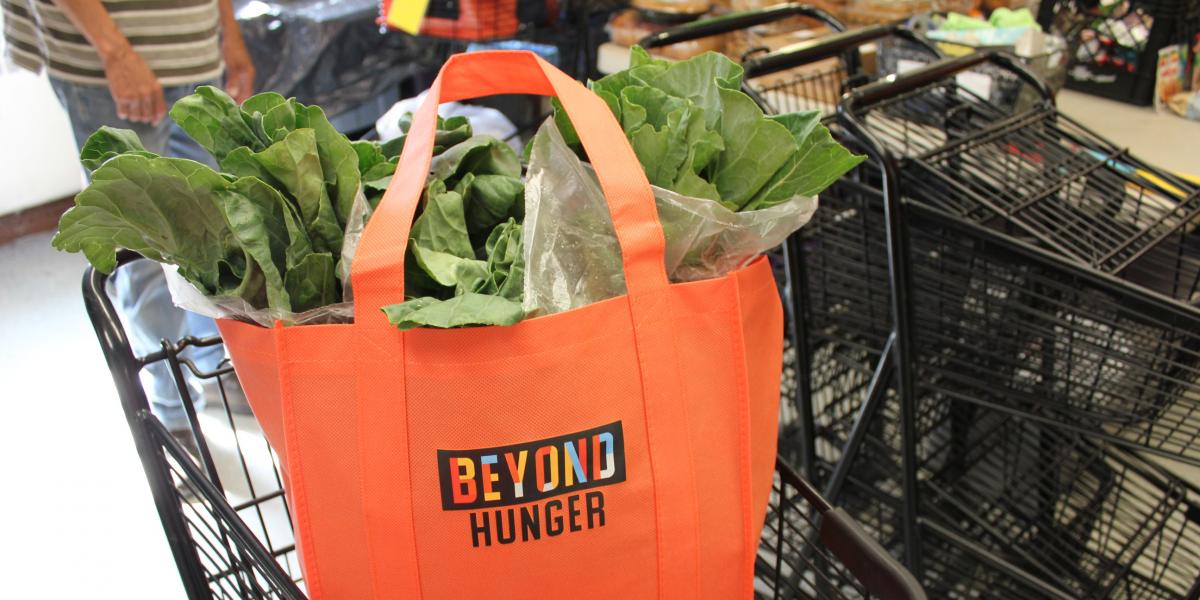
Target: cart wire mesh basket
{"points": [[1016, 508], [810, 75], [1031, 367], [1100, 330], [220, 493]]}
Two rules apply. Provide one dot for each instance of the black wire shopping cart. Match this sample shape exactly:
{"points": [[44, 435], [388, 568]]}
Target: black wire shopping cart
{"points": [[220, 494], [809, 75], [1040, 327]]}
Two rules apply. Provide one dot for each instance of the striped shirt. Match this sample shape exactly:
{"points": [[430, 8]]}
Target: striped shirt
{"points": [[178, 39]]}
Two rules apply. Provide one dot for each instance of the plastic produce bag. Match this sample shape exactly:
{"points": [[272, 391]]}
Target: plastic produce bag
{"points": [[484, 120], [186, 296], [572, 258]]}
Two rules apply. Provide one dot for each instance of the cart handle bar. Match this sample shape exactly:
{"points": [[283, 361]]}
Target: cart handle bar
{"points": [[738, 21], [870, 563], [895, 85], [829, 46]]}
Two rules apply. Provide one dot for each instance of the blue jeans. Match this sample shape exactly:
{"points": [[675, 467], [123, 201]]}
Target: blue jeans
{"points": [[140, 289]]}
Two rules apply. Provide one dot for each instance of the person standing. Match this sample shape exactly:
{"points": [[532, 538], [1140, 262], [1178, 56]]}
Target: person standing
{"points": [[123, 63]]}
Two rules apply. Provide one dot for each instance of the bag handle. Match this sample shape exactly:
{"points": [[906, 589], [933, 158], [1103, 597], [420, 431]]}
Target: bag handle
{"points": [[378, 270]]}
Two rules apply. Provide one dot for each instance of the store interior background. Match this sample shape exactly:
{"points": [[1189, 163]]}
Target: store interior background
{"points": [[76, 516]]}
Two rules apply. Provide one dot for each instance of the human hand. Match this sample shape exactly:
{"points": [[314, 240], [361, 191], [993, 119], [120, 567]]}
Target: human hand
{"points": [[134, 87], [239, 69]]}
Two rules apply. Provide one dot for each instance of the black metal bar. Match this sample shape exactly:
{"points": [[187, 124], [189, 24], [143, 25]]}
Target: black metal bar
{"points": [[230, 522], [876, 394], [124, 367], [793, 254], [151, 440], [736, 22], [988, 557], [917, 78], [901, 285], [816, 50]]}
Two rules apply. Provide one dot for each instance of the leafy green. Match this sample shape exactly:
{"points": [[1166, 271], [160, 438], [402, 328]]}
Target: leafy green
{"points": [[339, 160], [452, 283], [269, 227], [108, 142], [697, 134], [460, 311], [480, 155], [215, 121], [165, 209]]}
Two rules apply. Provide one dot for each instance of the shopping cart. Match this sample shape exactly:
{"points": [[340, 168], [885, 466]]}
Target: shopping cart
{"points": [[221, 496], [809, 75], [1038, 277]]}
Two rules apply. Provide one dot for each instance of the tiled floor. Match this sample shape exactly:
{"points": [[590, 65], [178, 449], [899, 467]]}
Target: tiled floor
{"points": [[76, 519]]}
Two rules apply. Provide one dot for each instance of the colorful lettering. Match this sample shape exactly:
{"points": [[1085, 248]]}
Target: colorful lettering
{"points": [[489, 478], [547, 454], [464, 470], [517, 471]]}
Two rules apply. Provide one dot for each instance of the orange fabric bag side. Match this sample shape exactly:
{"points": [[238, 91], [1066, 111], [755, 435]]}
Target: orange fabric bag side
{"points": [[619, 449]]}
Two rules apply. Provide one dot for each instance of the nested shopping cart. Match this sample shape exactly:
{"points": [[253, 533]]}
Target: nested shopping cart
{"points": [[809, 75], [1040, 336], [221, 497]]}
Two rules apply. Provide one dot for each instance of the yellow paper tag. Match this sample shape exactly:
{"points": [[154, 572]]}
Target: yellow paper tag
{"points": [[406, 15]]}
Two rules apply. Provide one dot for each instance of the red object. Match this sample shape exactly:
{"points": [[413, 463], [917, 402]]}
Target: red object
{"points": [[620, 450], [477, 20]]}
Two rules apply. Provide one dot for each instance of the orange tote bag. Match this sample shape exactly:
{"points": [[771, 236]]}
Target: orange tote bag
{"points": [[620, 450]]}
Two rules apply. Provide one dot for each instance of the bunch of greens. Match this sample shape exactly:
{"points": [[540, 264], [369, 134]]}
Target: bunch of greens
{"points": [[268, 228], [697, 134], [465, 264]]}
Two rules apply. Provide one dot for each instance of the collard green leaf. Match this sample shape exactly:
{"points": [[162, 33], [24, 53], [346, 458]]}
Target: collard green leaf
{"points": [[242, 162], [492, 199], [506, 260], [439, 241], [472, 276], [284, 219], [215, 121], [442, 267], [260, 231], [754, 149], [270, 115], [294, 162], [108, 142], [339, 161], [379, 176], [467, 310], [369, 154], [695, 133], [481, 155], [451, 131], [165, 209], [701, 79], [442, 224], [312, 283], [398, 313]]}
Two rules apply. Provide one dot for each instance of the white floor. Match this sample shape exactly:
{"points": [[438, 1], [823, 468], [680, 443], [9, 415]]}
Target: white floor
{"points": [[76, 518]]}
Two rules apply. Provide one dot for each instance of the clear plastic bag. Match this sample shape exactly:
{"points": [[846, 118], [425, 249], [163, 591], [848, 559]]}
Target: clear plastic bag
{"points": [[572, 258], [186, 296]]}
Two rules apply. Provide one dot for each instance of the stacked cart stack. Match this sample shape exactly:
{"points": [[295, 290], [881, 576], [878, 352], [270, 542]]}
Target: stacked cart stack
{"points": [[1047, 287]]}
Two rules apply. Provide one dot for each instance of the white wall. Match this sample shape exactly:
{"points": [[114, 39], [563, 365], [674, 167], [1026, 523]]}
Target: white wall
{"points": [[38, 162]]}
